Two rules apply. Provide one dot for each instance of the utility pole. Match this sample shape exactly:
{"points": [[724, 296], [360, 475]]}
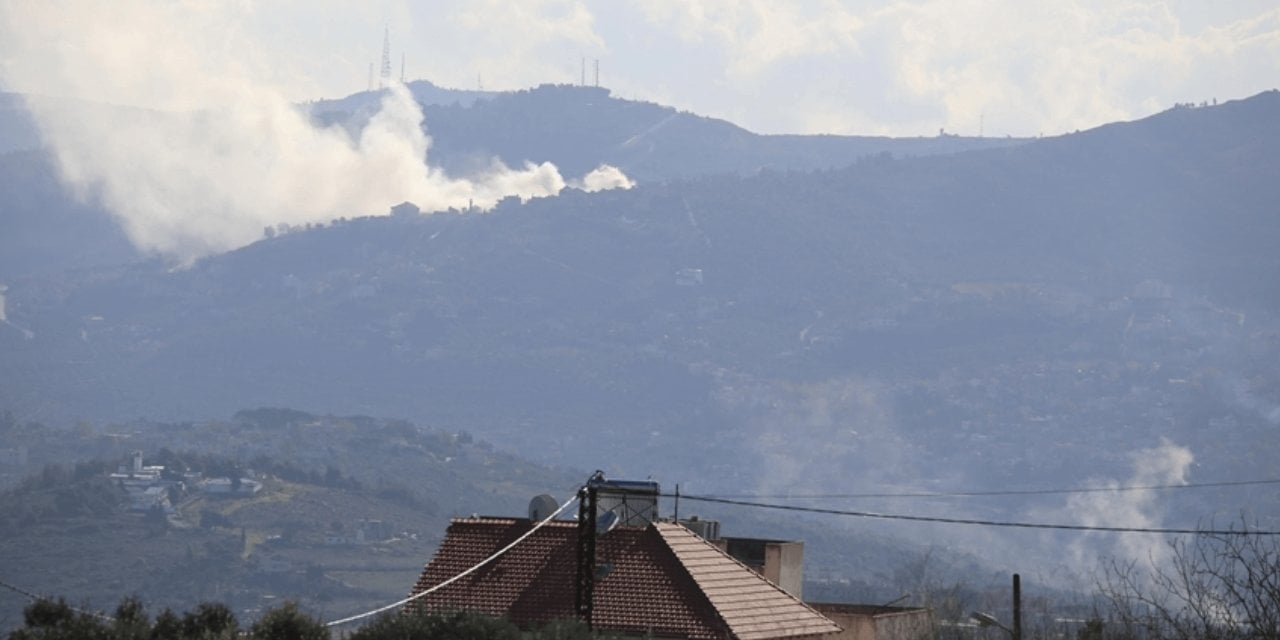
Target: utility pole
{"points": [[584, 600], [1017, 607]]}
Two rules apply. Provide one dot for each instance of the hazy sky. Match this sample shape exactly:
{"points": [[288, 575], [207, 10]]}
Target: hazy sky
{"points": [[874, 66]]}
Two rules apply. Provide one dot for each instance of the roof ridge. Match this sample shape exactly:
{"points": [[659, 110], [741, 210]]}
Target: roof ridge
{"points": [[664, 527]]}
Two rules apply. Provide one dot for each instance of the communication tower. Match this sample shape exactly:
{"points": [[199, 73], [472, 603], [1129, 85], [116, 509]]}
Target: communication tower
{"points": [[386, 58]]}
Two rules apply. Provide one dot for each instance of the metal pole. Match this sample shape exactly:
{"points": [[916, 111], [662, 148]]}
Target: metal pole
{"points": [[1017, 607], [584, 602], [677, 514]]}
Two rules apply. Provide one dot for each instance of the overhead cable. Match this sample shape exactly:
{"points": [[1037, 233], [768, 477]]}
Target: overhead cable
{"points": [[468, 572], [987, 523], [1010, 492], [39, 598]]}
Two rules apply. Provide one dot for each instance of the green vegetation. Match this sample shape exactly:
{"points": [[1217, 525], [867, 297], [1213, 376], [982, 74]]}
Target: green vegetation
{"points": [[56, 620], [59, 493], [349, 509]]}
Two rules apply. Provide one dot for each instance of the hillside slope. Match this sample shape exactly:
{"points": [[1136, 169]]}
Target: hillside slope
{"points": [[1059, 313]]}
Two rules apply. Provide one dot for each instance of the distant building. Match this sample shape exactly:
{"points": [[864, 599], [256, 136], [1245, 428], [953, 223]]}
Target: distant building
{"points": [[156, 497], [369, 531], [225, 487], [405, 209]]}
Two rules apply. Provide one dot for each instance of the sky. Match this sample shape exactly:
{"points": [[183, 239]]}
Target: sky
{"points": [[885, 67]]}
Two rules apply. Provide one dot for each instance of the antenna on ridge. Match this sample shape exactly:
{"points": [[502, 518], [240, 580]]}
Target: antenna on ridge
{"points": [[401, 67], [386, 58], [583, 83], [597, 73]]}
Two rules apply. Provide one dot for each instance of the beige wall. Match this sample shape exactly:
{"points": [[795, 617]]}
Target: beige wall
{"points": [[784, 566], [859, 624]]}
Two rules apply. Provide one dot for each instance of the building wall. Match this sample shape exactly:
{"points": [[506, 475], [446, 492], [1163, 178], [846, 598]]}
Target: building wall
{"points": [[778, 561], [864, 623], [784, 566]]}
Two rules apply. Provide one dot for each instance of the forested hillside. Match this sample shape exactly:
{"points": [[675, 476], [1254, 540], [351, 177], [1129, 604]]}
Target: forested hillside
{"points": [[1095, 309]]}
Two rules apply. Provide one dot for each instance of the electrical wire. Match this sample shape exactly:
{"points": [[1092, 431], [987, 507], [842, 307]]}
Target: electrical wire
{"points": [[40, 598], [455, 578], [1013, 492], [987, 523]]}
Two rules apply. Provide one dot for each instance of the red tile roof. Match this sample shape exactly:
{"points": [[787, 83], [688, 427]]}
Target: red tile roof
{"points": [[662, 580]]}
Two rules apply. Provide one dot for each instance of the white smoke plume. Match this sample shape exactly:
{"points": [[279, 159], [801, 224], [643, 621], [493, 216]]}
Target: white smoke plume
{"points": [[1166, 464], [219, 153], [603, 178]]}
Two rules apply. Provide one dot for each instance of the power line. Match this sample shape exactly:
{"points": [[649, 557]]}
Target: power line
{"points": [[987, 523], [1012, 492], [39, 598], [468, 572], [22, 591]]}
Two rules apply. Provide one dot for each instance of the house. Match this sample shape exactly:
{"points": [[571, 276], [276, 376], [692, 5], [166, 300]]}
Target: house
{"points": [[782, 563], [659, 579], [154, 497]]}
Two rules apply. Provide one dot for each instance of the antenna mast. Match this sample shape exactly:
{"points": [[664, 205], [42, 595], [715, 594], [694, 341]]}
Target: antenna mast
{"points": [[386, 58], [401, 67], [597, 73]]}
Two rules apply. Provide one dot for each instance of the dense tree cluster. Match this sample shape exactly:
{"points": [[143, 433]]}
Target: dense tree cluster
{"points": [[57, 620]]}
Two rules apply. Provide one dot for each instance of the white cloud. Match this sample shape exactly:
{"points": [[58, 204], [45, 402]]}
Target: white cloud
{"points": [[911, 67], [756, 34]]}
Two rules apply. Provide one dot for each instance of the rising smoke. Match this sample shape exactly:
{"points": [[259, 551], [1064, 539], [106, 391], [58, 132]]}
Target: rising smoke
{"points": [[219, 153], [1165, 464]]}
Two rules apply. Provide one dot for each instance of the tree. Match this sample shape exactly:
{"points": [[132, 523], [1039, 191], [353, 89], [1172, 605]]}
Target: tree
{"points": [[131, 620], [286, 622], [1220, 586], [210, 620], [56, 620], [458, 625]]}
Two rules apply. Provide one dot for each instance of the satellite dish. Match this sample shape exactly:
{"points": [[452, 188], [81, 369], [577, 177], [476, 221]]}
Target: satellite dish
{"points": [[541, 507], [605, 522]]}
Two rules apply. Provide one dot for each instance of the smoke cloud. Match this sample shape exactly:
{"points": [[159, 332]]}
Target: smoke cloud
{"points": [[1165, 464], [219, 152]]}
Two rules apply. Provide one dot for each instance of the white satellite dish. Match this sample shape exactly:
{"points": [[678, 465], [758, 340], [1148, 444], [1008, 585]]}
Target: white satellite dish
{"points": [[605, 522], [541, 507]]}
